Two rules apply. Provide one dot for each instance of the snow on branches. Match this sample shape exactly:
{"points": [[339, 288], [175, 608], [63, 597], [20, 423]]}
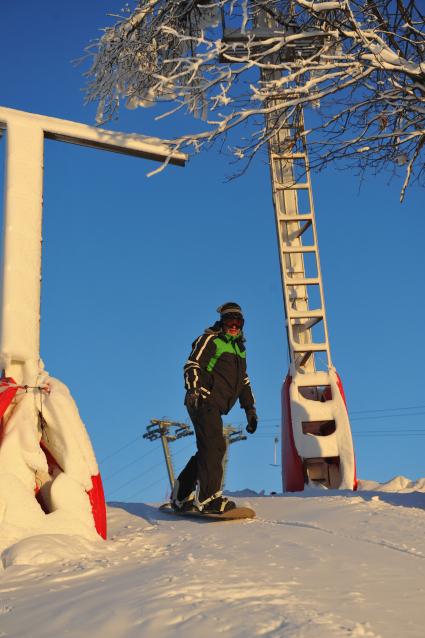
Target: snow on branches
{"points": [[360, 64]]}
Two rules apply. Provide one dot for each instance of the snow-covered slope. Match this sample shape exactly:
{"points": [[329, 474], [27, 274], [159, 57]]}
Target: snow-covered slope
{"points": [[320, 564]]}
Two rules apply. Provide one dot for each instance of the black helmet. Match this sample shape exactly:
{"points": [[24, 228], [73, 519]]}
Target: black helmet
{"points": [[230, 313], [230, 307]]}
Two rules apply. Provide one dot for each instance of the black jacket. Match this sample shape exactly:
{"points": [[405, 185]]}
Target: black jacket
{"points": [[217, 368]]}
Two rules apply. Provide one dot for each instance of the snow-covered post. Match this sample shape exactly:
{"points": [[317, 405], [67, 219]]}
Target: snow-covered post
{"points": [[21, 256], [21, 262], [44, 446]]}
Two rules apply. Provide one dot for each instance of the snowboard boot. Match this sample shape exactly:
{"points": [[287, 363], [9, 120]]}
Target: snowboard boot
{"points": [[182, 505], [218, 505]]}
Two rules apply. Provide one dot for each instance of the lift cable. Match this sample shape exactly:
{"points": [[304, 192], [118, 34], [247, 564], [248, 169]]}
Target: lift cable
{"points": [[124, 467], [126, 445], [136, 478]]}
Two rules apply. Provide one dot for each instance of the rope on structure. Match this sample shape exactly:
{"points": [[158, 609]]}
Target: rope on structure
{"points": [[4, 386]]}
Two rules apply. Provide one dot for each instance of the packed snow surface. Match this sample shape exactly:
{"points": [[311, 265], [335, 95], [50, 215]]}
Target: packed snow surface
{"points": [[317, 564]]}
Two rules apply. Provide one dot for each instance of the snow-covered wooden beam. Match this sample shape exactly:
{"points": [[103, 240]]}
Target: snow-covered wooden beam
{"points": [[84, 135], [22, 224]]}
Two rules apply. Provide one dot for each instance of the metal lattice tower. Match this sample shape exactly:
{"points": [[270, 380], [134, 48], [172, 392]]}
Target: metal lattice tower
{"points": [[302, 285], [231, 435], [161, 429], [306, 324], [316, 436]]}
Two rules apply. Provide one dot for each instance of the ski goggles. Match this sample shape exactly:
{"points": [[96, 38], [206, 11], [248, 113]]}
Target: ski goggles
{"points": [[232, 320]]}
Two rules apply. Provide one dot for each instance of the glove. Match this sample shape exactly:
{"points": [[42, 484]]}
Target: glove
{"points": [[193, 399], [251, 415]]}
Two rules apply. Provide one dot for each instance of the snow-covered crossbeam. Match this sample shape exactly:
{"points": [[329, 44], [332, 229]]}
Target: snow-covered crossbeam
{"points": [[77, 133], [21, 267]]}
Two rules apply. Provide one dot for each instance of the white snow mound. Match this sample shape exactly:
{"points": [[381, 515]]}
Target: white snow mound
{"points": [[47, 548], [21, 517], [399, 484]]}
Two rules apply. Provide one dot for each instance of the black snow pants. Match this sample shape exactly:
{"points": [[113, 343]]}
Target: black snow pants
{"points": [[206, 466]]}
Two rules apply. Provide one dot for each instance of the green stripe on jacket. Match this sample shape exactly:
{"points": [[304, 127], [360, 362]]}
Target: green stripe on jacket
{"points": [[224, 346]]}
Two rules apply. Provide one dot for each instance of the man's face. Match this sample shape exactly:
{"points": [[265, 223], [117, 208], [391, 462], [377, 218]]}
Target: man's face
{"points": [[233, 323]]}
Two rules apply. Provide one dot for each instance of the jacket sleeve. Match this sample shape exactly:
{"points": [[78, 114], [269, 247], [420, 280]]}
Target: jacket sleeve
{"points": [[196, 376], [246, 396]]}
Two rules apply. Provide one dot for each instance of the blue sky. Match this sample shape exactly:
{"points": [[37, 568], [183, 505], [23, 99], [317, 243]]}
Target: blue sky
{"points": [[134, 268]]}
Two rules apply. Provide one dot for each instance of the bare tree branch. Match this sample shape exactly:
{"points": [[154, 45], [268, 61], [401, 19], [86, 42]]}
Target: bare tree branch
{"points": [[356, 66]]}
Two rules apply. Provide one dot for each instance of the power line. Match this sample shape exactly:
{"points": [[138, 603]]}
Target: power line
{"points": [[124, 467], [371, 418], [413, 407], [276, 421], [386, 416], [354, 412], [135, 478], [139, 436], [408, 433], [186, 447], [146, 488]]}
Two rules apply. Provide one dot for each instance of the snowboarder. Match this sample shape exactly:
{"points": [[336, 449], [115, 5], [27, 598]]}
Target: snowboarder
{"points": [[215, 377]]}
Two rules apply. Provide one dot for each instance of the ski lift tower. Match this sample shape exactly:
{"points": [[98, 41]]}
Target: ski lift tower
{"points": [[231, 435], [317, 445], [167, 431]]}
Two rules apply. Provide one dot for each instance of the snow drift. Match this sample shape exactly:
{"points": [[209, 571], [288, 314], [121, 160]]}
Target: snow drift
{"points": [[320, 564], [49, 479]]}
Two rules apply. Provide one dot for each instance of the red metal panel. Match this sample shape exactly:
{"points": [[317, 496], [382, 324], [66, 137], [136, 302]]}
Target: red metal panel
{"points": [[341, 389], [98, 505], [8, 389], [292, 467]]}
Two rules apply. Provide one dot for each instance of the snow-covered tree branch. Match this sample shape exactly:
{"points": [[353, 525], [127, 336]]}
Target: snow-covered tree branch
{"points": [[357, 66]]}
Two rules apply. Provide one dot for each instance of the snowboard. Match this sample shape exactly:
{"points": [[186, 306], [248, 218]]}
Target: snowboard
{"points": [[236, 514]]}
